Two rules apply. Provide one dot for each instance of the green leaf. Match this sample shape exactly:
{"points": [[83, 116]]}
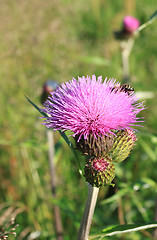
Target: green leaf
{"points": [[148, 149], [151, 20], [120, 229], [151, 183], [43, 113], [139, 205], [95, 60], [117, 195], [64, 136], [154, 15]]}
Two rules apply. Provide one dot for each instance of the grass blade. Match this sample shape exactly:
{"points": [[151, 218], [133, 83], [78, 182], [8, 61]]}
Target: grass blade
{"points": [[120, 229]]}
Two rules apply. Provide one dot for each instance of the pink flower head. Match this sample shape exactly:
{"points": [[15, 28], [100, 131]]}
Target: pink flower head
{"points": [[90, 106], [100, 164], [130, 24]]}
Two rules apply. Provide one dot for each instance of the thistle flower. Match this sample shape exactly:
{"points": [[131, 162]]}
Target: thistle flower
{"points": [[100, 116], [91, 107], [130, 24]]}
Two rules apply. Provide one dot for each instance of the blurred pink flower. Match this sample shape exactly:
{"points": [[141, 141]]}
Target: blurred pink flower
{"points": [[90, 106], [130, 24]]}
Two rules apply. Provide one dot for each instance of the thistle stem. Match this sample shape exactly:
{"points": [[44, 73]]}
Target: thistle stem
{"points": [[88, 213], [56, 210], [126, 47]]}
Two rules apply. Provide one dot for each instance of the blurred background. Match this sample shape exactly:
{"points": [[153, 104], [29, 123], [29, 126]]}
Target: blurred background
{"points": [[62, 39]]}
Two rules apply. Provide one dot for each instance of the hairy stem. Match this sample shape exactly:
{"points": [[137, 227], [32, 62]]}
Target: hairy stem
{"points": [[88, 213]]}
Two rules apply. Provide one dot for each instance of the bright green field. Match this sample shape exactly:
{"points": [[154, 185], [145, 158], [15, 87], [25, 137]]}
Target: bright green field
{"points": [[62, 39]]}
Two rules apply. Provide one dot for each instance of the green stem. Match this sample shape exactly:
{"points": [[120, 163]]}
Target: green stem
{"points": [[126, 47], [88, 213]]}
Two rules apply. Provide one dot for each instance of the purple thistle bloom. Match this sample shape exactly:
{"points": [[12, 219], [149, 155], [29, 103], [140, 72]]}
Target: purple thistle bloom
{"points": [[90, 106], [130, 24]]}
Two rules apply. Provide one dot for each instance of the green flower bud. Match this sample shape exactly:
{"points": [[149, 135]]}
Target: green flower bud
{"points": [[122, 146], [99, 171]]}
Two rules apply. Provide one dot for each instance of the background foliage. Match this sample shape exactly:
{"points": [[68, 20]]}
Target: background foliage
{"points": [[61, 39]]}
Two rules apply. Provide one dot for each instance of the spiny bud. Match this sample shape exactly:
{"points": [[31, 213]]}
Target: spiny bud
{"points": [[122, 146], [95, 146], [99, 171]]}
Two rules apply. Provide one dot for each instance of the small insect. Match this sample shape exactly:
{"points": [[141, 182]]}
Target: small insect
{"points": [[123, 88]]}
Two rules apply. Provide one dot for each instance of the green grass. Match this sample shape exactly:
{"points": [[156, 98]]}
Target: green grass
{"points": [[41, 40]]}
